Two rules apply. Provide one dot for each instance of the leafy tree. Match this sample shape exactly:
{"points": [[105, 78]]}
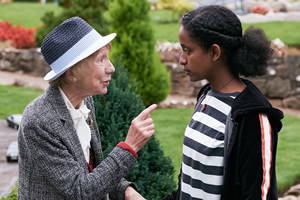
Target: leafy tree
{"points": [[153, 172], [135, 42], [90, 10]]}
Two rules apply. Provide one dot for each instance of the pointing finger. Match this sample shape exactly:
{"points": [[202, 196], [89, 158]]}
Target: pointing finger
{"points": [[147, 111]]}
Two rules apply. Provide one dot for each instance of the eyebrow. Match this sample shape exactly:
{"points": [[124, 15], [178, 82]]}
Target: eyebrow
{"points": [[184, 46]]}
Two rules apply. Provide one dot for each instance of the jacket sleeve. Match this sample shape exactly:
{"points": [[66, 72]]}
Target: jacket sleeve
{"points": [[119, 191], [256, 164]]}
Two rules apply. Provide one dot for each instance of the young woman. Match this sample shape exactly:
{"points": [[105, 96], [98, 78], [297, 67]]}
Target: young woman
{"points": [[229, 146]]}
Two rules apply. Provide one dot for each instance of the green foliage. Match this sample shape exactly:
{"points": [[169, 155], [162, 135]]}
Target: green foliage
{"points": [[90, 10], [50, 22], [153, 172], [13, 195], [115, 109], [177, 7], [64, 3], [135, 43]]}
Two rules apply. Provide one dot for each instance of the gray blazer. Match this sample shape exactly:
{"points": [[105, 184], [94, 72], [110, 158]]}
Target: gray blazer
{"points": [[52, 163]]}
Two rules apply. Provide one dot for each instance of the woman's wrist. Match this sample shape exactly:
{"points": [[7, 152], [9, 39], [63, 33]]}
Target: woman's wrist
{"points": [[125, 146]]}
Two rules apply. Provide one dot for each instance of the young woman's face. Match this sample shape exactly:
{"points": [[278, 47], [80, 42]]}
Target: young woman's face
{"points": [[197, 62], [98, 72]]}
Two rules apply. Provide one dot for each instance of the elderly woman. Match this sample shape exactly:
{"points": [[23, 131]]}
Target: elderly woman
{"points": [[59, 141]]}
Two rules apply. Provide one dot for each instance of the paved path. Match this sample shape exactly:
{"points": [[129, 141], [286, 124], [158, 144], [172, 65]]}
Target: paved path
{"points": [[8, 171], [9, 177], [18, 78]]}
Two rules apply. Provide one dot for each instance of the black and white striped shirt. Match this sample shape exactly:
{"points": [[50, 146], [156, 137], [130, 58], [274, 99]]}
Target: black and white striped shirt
{"points": [[203, 148]]}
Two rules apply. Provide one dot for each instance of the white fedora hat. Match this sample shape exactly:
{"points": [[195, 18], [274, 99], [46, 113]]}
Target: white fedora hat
{"points": [[70, 42]]}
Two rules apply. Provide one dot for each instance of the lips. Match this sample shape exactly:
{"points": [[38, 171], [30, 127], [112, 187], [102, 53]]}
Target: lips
{"points": [[187, 72], [106, 83]]}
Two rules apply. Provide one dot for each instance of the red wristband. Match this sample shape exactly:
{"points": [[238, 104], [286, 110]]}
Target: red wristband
{"points": [[128, 148]]}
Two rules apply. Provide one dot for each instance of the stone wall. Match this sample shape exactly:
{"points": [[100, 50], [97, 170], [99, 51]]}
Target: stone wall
{"points": [[292, 194], [29, 61], [282, 82]]}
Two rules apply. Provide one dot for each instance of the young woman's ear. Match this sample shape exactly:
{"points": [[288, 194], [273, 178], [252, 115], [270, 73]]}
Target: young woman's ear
{"points": [[215, 52]]}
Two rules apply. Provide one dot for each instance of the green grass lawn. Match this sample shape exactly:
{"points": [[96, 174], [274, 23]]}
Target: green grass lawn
{"points": [[288, 31], [29, 15], [288, 159], [14, 99], [170, 125], [26, 13]]}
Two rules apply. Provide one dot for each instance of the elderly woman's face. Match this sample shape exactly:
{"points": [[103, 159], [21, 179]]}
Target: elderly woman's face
{"points": [[98, 69]]}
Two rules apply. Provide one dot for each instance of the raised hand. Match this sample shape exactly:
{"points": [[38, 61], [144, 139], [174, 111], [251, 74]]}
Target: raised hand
{"points": [[141, 129]]}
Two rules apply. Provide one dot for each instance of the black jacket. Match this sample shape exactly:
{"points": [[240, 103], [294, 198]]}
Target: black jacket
{"points": [[247, 145]]}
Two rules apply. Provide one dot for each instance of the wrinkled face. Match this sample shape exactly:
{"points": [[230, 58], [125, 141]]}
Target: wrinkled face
{"points": [[197, 62], [97, 72]]}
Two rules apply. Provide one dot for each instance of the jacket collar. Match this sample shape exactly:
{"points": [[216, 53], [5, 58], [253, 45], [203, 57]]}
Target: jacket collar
{"points": [[251, 100], [53, 96]]}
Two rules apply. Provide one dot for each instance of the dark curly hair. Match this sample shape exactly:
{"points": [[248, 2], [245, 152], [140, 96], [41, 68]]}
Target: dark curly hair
{"points": [[246, 55]]}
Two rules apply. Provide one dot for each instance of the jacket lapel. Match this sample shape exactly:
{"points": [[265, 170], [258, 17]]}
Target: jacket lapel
{"points": [[95, 140], [67, 130]]}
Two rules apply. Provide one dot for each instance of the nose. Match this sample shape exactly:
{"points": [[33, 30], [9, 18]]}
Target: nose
{"points": [[110, 68], [182, 59]]}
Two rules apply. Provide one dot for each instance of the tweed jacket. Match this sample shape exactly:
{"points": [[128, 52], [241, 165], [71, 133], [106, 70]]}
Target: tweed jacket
{"points": [[51, 160]]}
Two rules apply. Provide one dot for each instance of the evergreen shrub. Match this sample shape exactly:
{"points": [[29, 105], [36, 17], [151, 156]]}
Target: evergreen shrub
{"points": [[135, 43], [153, 172], [49, 23], [36, 1], [89, 10]]}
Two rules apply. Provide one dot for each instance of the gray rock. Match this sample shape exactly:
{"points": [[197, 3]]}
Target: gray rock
{"points": [[292, 102]]}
